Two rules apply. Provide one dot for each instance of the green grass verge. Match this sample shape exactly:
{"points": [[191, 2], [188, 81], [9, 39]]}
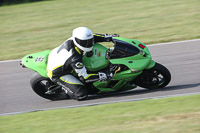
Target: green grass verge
{"points": [[168, 115], [38, 26]]}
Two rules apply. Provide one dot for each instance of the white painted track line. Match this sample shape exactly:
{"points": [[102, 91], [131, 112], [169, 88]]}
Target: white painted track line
{"points": [[100, 103]]}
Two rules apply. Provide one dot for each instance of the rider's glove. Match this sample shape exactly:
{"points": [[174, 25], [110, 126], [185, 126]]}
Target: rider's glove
{"points": [[105, 76], [102, 76], [115, 35], [108, 37]]}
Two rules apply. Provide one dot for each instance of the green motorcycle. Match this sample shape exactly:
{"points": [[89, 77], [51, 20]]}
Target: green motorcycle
{"points": [[129, 60]]}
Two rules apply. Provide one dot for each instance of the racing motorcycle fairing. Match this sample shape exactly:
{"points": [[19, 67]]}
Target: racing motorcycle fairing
{"points": [[37, 62], [96, 61], [139, 59], [130, 53]]}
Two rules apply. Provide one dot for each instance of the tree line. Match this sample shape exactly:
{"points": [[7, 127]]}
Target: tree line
{"points": [[10, 2]]}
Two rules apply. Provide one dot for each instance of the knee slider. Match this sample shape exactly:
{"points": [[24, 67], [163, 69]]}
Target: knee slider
{"points": [[81, 91]]}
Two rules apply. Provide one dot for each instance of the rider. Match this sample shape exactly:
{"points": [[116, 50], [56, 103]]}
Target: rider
{"points": [[68, 57]]}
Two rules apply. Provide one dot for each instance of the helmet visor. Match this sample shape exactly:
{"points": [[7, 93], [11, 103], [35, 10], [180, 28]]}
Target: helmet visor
{"points": [[85, 43]]}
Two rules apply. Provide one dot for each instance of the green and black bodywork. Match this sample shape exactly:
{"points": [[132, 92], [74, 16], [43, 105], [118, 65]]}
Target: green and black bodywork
{"points": [[131, 58]]}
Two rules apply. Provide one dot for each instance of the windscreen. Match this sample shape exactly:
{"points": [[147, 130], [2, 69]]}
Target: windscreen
{"points": [[123, 49]]}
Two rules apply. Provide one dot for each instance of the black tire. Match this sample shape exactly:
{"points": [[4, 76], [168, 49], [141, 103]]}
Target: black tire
{"points": [[154, 78], [38, 84]]}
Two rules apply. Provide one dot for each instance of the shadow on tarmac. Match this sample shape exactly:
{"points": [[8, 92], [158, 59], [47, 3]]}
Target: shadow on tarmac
{"points": [[142, 91]]}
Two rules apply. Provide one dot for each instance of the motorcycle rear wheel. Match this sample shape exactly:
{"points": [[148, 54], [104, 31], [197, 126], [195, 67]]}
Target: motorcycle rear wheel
{"points": [[39, 86], [154, 78]]}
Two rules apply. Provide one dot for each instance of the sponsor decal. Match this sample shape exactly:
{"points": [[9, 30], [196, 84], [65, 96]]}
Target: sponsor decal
{"points": [[89, 35], [99, 54], [39, 59], [74, 59], [64, 87], [79, 65], [95, 53]]}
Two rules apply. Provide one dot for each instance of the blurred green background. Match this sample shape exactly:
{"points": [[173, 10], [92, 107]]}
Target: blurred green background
{"points": [[37, 26]]}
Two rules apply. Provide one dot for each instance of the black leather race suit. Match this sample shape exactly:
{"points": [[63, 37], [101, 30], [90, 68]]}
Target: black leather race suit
{"points": [[67, 58]]}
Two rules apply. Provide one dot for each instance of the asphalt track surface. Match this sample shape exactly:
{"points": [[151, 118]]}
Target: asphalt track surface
{"points": [[181, 58]]}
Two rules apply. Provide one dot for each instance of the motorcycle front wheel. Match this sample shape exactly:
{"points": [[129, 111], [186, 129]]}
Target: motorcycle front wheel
{"points": [[154, 78]]}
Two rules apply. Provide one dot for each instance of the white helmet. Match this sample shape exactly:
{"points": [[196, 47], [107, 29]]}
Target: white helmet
{"points": [[83, 38]]}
